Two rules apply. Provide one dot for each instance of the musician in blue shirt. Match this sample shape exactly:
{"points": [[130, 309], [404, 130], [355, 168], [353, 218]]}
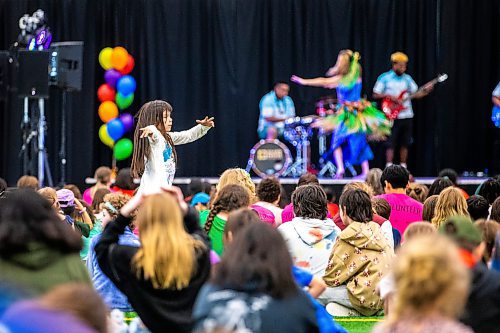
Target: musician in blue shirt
{"points": [[275, 107], [390, 85]]}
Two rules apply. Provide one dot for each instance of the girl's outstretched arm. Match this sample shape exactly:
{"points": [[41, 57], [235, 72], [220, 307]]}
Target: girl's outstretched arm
{"points": [[193, 134]]}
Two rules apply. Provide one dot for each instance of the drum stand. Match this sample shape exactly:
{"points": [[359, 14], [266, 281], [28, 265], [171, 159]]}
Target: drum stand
{"points": [[328, 168], [299, 168]]}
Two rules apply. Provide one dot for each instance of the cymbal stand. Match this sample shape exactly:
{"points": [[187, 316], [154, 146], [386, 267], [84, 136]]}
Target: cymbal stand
{"points": [[299, 168], [328, 168]]}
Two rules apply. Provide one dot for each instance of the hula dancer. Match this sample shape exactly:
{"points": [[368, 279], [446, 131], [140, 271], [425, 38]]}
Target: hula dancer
{"points": [[355, 119]]}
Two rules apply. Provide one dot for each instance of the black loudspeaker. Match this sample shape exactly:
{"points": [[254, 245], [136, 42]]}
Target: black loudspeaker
{"points": [[33, 74], [66, 61]]}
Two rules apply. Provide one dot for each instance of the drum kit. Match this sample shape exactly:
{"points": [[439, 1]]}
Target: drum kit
{"points": [[272, 157]]}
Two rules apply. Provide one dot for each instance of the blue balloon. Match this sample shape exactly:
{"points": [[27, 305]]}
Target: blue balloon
{"points": [[126, 85], [115, 128]]}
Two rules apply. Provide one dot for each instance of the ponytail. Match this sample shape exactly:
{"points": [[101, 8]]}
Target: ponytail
{"points": [[216, 209]]}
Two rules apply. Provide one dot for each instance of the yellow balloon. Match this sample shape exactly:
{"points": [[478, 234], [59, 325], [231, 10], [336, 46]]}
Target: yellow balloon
{"points": [[105, 58], [104, 136]]}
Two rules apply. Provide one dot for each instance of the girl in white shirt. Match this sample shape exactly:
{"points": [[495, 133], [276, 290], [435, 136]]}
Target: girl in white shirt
{"points": [[154, 158]]}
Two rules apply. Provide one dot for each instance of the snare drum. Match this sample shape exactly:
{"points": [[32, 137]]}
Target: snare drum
{"points": [[270, 158]]}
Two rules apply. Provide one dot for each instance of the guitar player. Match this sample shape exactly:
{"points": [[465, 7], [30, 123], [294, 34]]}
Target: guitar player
{"points": [[390, 85]]}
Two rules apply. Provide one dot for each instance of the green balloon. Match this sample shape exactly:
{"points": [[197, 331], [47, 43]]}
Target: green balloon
{"points": [[124, 102], [123, 149]]}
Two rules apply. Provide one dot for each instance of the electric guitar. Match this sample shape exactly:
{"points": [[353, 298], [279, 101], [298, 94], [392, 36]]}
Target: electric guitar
{"points": [[392, 108]]}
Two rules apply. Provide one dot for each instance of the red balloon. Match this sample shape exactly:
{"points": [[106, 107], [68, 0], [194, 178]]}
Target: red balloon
{"points": [[106, 93], [129, 66]]}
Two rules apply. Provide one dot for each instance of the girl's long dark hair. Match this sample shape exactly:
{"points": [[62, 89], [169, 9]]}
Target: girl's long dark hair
{"points": [[257, 261], [150, 113], [27, 217]]}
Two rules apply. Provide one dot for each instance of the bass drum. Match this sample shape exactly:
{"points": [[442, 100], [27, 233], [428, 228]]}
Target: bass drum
{"points": [[270, 158]]}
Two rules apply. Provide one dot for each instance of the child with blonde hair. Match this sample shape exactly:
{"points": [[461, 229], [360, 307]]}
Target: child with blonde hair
{"points": [[419, 229], [450, 203], [162, 277], [432, 285], [240, 177]]}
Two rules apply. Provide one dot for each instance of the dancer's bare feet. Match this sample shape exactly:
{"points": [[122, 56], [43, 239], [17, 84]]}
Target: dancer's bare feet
{"points": [[339, 174]]}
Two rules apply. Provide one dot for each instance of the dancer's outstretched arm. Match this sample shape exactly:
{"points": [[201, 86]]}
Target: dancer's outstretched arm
{"points": [[194, 133], [326, 82]]}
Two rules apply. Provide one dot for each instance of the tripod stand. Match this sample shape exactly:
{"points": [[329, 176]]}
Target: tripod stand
{"points": [[36, 131], [28, 133], [328, 167]]}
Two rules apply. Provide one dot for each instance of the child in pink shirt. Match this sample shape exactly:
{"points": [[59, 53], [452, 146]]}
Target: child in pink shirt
{"points": [[404, 210]]}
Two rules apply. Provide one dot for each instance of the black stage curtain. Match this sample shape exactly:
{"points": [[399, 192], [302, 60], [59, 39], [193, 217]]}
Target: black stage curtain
{"points": [[219, 57]]}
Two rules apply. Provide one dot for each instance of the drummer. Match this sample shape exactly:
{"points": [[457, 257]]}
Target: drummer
{"points": [[275, 107]]}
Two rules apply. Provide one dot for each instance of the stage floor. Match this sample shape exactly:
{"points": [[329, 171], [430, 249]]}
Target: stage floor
{"points": [[468, 184], [329, 181]]}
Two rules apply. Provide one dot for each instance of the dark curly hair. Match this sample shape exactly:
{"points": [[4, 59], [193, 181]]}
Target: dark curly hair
{"points": [[269, 189], [478, 207], [310, 201], [229, 198], [490, 190]]}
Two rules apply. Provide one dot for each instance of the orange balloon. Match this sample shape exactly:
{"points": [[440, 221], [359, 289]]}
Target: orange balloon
{"points": [[119, 58], [107, 111]]}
